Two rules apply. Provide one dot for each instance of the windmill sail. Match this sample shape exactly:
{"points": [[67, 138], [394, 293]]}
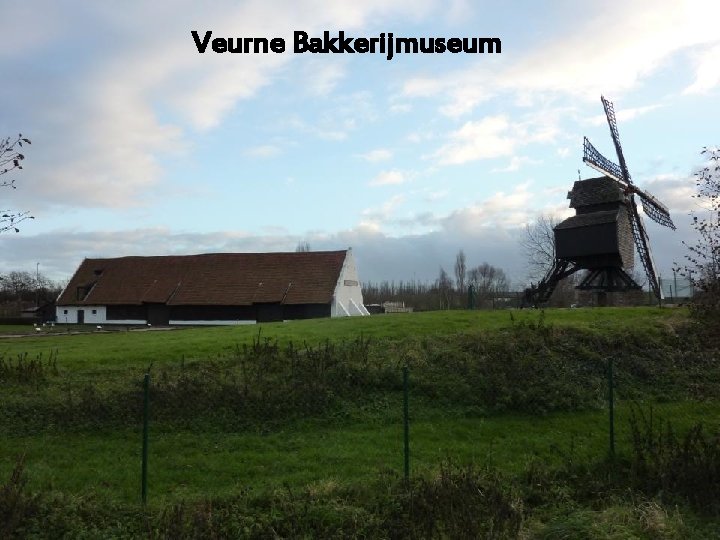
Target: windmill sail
{"points": [[610, 114], [654, 209], [643, 247], [592, 157]]}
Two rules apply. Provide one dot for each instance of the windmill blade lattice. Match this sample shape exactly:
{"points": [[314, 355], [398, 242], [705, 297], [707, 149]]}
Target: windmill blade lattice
{"points": [[654, 209], [593, 158], [610, 114], [643, 247]]}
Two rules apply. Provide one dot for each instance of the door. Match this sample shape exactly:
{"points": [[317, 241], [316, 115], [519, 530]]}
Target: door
{"points": [[81, 316], [158, 314], [267, 312]]}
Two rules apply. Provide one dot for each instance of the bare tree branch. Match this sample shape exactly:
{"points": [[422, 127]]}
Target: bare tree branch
{"points": [[538, 244], [702, 266], [11, 159]]}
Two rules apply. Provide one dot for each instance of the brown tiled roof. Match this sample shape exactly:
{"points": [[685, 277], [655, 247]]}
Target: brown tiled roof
{"points": [[227, 279]]}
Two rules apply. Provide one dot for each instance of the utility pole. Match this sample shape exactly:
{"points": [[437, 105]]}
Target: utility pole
{"points": [[37, 286]]}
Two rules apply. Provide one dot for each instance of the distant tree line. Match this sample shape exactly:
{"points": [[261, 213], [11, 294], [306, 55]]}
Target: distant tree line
{"points": [[19, 290], [482, 286]]}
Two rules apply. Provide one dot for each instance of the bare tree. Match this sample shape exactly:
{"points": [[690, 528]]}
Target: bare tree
{"points": [[702, 266], [444, 287], [20, 290], [10, 160], [538, 244], [460, 273], [302, 247], [487, 281]]}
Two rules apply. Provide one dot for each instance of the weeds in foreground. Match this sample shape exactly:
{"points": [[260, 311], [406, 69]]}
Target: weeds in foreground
{"points": [[28, 371], [455, 502], [16, 506], [664, 462]]}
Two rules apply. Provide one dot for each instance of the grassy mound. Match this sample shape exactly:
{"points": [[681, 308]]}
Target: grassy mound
{"points": [[296, 431]]}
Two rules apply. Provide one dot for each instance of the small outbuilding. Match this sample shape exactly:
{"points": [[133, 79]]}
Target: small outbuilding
{"points": [[213, 288]]}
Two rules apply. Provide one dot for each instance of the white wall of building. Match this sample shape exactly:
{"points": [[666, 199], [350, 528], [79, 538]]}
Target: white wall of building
{"points": [[347, 300], [69, 315], [93, 314]]}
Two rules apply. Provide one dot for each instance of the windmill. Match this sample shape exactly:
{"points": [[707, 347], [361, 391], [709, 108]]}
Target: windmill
{"points": [[607, 228]]}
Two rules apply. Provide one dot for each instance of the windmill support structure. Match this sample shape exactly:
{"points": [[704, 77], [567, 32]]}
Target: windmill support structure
{"points": [[541, 293]]}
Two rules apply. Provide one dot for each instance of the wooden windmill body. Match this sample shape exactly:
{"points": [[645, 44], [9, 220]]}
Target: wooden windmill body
{"points": [[599, 234]]}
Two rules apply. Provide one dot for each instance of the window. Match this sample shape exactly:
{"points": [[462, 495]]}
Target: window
{"points": [[94, 311], [64, 311], [350, 283]]}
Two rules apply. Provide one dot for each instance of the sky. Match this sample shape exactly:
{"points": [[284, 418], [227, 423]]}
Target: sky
{"points": [[143, 146]]}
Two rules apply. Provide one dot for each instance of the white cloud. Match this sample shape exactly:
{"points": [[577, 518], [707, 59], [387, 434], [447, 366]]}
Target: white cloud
{"points": [[323, 75], [374, 218], [488, 230], [423, 87], [379, 154], [624, 114], [707, 72], [498, 136], [501, 209], [341, 116], [674, 191], [419, 137], [487, 138], [391, 177], [464, 99], [106, 93], [621, 51], [516, 163]]}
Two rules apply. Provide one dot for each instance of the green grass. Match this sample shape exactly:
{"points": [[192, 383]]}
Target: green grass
{"points": [[100, 350], [188, 465]]}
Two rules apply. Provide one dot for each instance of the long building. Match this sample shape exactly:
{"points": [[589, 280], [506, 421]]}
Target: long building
{"points": [[213, 288]]}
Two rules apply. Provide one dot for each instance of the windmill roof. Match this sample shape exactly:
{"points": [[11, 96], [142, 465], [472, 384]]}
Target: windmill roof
{"points": [[595, 191], [591, 218], [227, 279]]}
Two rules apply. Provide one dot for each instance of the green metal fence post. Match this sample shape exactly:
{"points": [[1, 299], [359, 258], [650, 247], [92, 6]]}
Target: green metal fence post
{"points": [[611, 407], [406, 423], [146, 414]]}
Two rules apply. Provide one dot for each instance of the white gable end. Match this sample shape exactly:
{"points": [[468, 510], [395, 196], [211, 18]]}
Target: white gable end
{"points": [[347, 299]]}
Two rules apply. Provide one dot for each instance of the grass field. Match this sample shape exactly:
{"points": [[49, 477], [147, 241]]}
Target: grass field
{"points": [[121, 348], [267, 420]]}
